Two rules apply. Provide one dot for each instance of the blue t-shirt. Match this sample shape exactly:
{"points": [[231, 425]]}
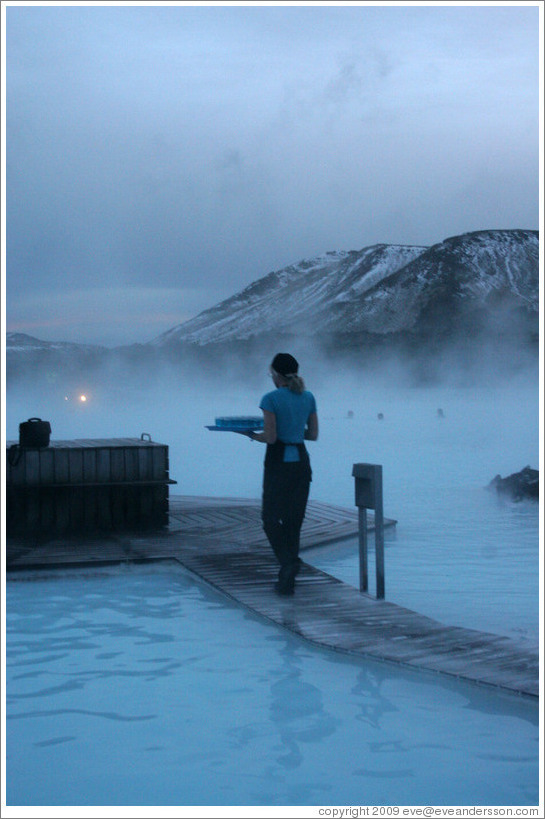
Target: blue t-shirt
{"points": [[292, 412]]}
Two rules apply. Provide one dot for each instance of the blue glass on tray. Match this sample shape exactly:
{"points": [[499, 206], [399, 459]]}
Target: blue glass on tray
{"points": [[240, 422]]}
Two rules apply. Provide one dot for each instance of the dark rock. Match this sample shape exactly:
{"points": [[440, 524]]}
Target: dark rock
{"points": [[520, 485]]}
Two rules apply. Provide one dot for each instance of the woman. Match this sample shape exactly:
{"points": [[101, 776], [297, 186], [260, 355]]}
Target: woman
{"points": [[290, 418]]}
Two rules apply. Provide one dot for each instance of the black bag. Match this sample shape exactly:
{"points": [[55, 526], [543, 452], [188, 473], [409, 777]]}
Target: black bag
{"points": [[34, 433]]}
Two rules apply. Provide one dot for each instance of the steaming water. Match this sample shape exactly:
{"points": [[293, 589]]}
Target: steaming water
{"points": [[140, 686], [458, 554], [345, 732]]}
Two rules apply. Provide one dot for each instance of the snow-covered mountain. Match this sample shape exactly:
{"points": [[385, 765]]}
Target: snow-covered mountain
{"points": [[303, 298], [23, 343], [477, 279], [476, 290]]}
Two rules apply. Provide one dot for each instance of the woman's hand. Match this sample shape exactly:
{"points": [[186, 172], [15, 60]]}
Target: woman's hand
{"points": [[268, 436]]}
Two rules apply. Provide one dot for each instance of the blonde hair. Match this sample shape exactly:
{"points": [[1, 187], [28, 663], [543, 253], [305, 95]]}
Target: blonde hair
{"points": [[294, 382]]}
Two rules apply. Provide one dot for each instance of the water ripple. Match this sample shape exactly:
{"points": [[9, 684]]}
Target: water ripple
{"points": [[109, 715]]}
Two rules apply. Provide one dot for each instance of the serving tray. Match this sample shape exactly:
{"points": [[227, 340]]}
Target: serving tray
{"points": [[237, 424], [234, 429]]}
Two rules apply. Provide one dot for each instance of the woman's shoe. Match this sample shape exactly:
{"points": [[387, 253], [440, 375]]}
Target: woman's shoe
{"points": [[284, 590]]}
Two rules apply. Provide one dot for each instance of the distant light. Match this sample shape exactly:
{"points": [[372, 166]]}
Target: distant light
{"points": [[66, 398], [83, 398]]}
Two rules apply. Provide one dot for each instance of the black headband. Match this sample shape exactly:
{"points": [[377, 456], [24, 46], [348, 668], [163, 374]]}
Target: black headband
{"points": [[285, 364]]}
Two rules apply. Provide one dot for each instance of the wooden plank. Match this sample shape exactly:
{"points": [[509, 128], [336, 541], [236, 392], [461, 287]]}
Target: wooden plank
{"points": [[103, 508], [62, 511], [89, 465], [132, 510], [90, 510], [103, 464], [160, 469], [32, 511], [75, 465], [47, 511], [62, 470], [117, 505], [47, 466], [130, 455], [240, 522], [83, 443], [76, 506], [117, 464], [145, 470], [32, 466]]}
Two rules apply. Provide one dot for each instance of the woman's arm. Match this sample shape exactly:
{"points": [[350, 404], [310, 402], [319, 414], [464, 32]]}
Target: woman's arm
{"points": [[311, 432], [268, 436]]}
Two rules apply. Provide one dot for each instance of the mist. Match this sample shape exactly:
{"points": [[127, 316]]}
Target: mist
{"points": [[459, 552], [489, 422]]}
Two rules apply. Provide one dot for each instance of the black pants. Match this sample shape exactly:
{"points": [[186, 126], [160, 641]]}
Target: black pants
{"points": [[285, 494]]}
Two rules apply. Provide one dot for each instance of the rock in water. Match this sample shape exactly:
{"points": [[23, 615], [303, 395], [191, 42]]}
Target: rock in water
{"points": [[520, 485]]}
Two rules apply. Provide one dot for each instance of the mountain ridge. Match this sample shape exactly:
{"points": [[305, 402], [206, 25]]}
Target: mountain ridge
{"points": [[477, 291], [381, 289]]}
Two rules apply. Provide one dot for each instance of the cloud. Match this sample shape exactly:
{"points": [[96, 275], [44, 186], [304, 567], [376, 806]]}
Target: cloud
{"points": [[114, 315], [153, 146]]}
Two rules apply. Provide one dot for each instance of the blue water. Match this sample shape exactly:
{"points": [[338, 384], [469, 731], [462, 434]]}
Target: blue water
{"points": [[141, 686], [471, 561]]}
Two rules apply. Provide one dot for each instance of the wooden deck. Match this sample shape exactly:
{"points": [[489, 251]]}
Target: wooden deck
{"points": [[238, 520], [221, 541]]}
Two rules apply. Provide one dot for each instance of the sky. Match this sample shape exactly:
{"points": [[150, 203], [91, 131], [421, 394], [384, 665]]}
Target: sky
{"points": [[161, 158]]}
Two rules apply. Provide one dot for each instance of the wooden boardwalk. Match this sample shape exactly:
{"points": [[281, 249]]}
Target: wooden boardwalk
{"points": [[205, 520], [238, 520], [221, 541]]}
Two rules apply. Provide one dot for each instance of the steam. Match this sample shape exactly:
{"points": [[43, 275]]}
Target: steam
{"points": [[442, 420]]}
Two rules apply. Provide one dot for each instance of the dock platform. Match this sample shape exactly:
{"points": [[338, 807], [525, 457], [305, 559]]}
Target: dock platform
{"points": [[221, 541]]}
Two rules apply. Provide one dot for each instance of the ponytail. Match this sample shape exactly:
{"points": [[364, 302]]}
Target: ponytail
{"points": [[295, 383]]}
